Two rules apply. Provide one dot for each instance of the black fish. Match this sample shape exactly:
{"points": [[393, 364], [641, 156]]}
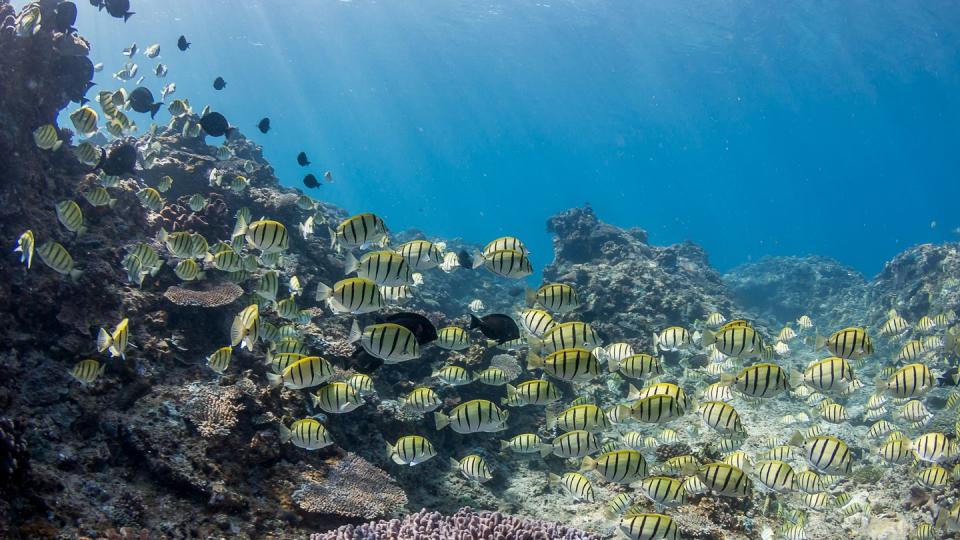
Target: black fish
{"points": [[465, 259], [951, 377], [498, 327], [66, 17], [302, 159], [422, 328], [182, 43], [264, 125], [219, 83], [97, 4], [118, 8], [311, 181], [141, 100], [215, 125], [121, 161]]}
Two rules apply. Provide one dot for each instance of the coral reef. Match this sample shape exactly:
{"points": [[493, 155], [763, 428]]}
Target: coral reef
{"points": [[206, 295], [625, 283], [350, 487], [781, 289], [463, 525]]}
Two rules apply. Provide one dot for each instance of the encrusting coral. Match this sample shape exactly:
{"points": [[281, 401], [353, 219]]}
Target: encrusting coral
{"points": [[206, 295], [350, 487]]}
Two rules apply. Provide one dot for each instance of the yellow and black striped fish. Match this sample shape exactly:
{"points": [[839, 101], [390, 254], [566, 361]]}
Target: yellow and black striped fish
{"points": [[308, 434], [307, 372], [655, 409], [672, 338], [536, 321], [725, 480], [933, 476], [910, 381], [351, 295], [453, 338], [267, 235], [453, 375], [556, 297], [47, 138], [473, 467], [524, 443], [834, 413], [87, 371], [337, 398], [664, 490], [575, 484], [832, 374], [934, 447], [508, 263], [358, 231], [809, 482], [636, 366], [572, 365], [87, 154], [279, 361], [151, 199], [389, 342], [387, 268], [775, 475], [70, 216], [85, 120], [219, 361], [827, 454], [759, 380], [411, 450], [849, 343], [568, 335], [739, 342], [574, 444], [534, 392], [25, 246], [644, 526], [493, 376], [421, 254], [478, 415], [505, 242], [115, 342], [660, 389], [720, 416], [421, 400], [587, 417], [894, 326], [619, 466]]}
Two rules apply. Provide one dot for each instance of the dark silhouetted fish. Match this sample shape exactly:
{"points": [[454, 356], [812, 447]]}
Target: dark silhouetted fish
{"points": [[465, 259], [302, 159], [311, 181], [216, 125], [219, 83], [182, 43], [120, 161], [422, 328], [66, 17], [264, 125], [498, 327], [141, 100], [117, 8], [950, 377]]}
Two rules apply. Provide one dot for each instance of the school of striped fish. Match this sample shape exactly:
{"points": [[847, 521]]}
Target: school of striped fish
{"points": [[706, 386]]}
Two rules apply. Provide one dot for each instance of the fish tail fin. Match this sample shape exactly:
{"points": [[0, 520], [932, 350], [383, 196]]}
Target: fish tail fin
{"points": [[285, 433], [504, 445], [633, 393], [588, 464], [475, 322], [441, 420], [727, 379], [390, 449], [456, 464], [545, 449], [613, 365], [819, 342], [104, 340], [127, 15], [75, 274], [323, 292], [553, 479], [709, 337], [354, 333], [274, 379], [315, 399], [351, 264], [531, 297], [534, 361], [154, 108], [550, 419], [111, 203], [796, 378], [796, 439]]}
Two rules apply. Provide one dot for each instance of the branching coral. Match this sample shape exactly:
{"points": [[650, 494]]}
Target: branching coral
{"points": [[465, 524]]}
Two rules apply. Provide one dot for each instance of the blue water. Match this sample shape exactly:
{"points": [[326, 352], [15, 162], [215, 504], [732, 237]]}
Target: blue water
{"points": [[750, 127]]}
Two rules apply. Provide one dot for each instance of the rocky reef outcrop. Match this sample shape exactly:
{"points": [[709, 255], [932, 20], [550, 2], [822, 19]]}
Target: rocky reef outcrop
{"points": [[923, 280], [781, 289], [626, 284]]}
